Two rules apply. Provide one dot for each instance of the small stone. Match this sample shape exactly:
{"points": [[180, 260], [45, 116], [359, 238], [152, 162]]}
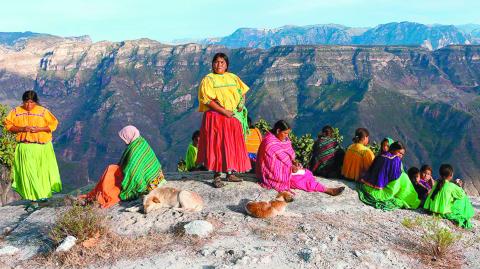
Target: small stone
{"points": [[302, 237], [219, 253], [231, 252], [356, 253], [7, 231], [199, 228], [67, 244], [133, 209], [8, 250], [205, 251], [244, 260], [307, 254]]}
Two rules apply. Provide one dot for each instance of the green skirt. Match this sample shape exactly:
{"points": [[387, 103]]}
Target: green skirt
{"points": [[462, 212], [35, 171], [399, 193]]}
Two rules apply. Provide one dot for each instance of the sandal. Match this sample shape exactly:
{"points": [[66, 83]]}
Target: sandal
{"points": [[233, 178], [32, 207], [217, 181]]}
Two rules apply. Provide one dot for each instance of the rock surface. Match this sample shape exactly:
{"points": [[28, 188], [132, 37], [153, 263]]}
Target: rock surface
{"points": [[332, 232], [67, 244], [199, 228]]}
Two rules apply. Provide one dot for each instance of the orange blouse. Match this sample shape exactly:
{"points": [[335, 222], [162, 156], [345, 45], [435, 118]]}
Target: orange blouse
{"points": [[37, 117]]}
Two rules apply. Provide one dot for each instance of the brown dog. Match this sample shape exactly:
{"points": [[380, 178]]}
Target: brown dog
{"points": [[167, 197], [264, 209]]}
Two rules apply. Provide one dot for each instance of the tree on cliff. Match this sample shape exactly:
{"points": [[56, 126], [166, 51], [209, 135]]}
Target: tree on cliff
{"points": [[7, 152]]}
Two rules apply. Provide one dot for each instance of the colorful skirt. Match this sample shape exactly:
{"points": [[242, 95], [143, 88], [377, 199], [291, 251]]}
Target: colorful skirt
{"points": [[462, 212], [399, 193], [221, 147], [35, 171]]}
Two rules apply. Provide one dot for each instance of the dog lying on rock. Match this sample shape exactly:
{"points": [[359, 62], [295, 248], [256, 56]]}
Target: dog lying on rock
{"points": [[168, 197], [270, 209]]}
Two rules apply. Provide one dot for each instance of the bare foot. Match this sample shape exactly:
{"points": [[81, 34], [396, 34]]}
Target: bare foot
{"points": [[335, 191]]}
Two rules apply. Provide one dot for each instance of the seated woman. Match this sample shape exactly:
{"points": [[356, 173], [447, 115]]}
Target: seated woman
{"points": [[138, 172], [449, 200], [385, 145], [252, 142], [191, 155], [358, 156], [327, 155], [386, 185], [276, 167]]}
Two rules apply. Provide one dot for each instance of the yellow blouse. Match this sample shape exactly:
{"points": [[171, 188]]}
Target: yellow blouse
{"points": [[358, 158], [38, 117], [224, 89]]}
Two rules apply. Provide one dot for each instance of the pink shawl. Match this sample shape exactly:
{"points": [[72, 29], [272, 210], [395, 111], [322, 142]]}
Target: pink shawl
{"points": [[129, 133], [274, 163]]}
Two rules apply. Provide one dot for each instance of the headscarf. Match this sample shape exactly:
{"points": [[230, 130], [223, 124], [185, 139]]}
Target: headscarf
{"points": [[129, 133], [390, 141]]}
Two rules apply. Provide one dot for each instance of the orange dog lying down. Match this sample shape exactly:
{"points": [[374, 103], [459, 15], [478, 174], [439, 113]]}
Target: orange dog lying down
{"points": [[264, 209]]}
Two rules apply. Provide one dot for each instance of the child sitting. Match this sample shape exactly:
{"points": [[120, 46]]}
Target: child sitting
{"points": [[426, 176], [421, 188], [191, 156], [385, 145], [449, 200]]}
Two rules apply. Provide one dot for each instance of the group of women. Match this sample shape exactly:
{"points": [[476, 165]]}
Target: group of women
{"points": [[222, 148]]}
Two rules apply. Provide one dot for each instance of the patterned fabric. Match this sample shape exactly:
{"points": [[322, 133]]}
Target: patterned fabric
{"points": [[37, 117], [357, 161], [274, 163], [140, 166], [327, 157], [385, 168], [274, 167], [225, 89], [157, 182], [221, 147]]}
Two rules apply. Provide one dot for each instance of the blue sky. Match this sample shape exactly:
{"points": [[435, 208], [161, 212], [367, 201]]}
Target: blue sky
{"points": [[117, 20]]}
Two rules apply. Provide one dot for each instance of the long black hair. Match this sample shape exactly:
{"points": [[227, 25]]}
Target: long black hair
{"points": [[446, 170], [30, 95], [280, 125], [397, 145], [360, 134], [223, 56]]}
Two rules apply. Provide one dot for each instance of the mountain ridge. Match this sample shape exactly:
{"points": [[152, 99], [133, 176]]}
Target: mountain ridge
{"points": [[97, 88]]}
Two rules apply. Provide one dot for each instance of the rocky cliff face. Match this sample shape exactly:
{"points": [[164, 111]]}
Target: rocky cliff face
{"points": [[427, 99], [402, 33]]}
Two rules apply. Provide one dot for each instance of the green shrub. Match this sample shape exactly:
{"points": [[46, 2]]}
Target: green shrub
{"points": [[303, 146], [375, 147], [435, 237], [263, 126], [83, 222], [7, 141]]}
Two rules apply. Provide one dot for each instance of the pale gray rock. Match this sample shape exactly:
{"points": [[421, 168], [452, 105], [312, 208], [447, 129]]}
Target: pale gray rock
{"points": [[68, 243], [8, 250], [199, 228]]}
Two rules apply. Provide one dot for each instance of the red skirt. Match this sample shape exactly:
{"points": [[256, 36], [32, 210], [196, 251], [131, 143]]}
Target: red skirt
{"points": [[221, 147]]}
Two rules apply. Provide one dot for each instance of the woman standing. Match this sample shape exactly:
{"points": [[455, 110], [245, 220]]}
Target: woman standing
{"points": [[221, 146], [35, 170]]}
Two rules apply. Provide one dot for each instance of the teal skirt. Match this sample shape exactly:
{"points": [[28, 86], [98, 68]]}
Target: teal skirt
{"points": [[35, 171], [399, 193]]}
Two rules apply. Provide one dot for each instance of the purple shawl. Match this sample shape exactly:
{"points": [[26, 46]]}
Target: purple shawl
{"points": [[385, 168]]}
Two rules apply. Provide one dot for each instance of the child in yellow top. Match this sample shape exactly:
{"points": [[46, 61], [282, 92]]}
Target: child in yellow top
{"points": [[358, 156]]}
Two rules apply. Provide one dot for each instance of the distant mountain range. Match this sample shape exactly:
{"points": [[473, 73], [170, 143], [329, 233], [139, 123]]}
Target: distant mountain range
{"points": [[395, 33], [427, 99]]}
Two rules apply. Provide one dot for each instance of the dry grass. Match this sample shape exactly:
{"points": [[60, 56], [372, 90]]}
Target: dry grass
{"points": [[434, 243], [83, 222]]}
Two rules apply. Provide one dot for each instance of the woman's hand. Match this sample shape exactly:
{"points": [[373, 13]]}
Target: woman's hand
{"points": [[228, 113]]}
